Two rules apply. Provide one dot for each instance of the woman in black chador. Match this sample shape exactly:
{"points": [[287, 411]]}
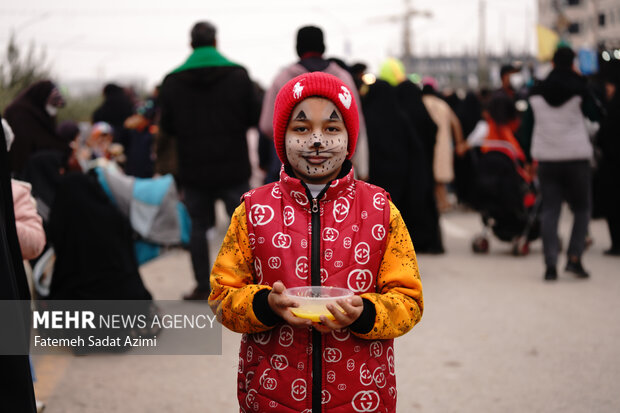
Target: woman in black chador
{"points": [[426, 234], [608, 140], [32, 116], [397, 161], [16, 391], [93, 243]]}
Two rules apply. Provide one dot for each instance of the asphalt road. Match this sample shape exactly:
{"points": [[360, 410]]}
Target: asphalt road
{"points": [[494, 338]]}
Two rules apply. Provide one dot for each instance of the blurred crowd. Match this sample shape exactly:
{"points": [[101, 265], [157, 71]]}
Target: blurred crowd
{"points": [[89, 202], [90, 185]]}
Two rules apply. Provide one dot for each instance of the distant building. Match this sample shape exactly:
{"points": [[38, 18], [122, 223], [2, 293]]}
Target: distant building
{"points": [[462, 71], [593, 24]]}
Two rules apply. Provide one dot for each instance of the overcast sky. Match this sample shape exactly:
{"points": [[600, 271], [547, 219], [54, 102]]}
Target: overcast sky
{"points": [[119, 39]]}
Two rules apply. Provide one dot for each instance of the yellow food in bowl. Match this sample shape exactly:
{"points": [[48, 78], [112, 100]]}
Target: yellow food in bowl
{"points": [[313, 312]]}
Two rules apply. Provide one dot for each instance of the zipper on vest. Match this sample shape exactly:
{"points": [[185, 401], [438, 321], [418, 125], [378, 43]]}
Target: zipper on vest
{"points": [[315, 279], [315, 266]]}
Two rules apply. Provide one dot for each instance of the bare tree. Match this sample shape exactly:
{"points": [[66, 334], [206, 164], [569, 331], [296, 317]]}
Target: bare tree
{"points": [[18, 71]]}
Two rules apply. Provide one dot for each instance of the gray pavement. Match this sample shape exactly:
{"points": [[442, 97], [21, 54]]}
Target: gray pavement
{"points": [[494, 338]]}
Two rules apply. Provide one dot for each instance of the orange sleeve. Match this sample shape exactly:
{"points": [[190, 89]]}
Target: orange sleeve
{"points": [[233, 282], [398, 301]]}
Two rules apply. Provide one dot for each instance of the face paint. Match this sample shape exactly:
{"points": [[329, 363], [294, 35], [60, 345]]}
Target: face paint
{"points": [[316, 141]]}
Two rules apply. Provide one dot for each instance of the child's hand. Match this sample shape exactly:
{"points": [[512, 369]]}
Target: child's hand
{"points": [[280, 304], [352, 310], [461, 148]]}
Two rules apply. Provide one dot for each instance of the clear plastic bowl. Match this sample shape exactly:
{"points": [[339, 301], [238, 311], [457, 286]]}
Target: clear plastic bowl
{"points": [[313, 300]]}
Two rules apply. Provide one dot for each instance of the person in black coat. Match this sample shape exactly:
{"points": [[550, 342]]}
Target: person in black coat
{"points": [[608, 140], [469, 113], [137, 140], [427, 236], [93, 241], [207, 106], [32, 116], [396, 161], [16, 391], [117, 106]]}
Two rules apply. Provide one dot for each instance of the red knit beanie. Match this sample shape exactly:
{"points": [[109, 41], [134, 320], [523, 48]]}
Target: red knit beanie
{"points": [[315, 84]]}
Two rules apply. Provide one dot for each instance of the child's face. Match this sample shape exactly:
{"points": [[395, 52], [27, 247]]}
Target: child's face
{"points": [[316, 141]]}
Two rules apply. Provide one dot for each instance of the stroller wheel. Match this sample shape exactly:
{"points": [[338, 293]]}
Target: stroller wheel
{"points": [[525, 249], [480, 245], [520, 247]]}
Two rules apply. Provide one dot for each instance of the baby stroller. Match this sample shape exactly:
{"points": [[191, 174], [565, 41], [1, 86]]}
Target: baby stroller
{"points": [[506, 198]]}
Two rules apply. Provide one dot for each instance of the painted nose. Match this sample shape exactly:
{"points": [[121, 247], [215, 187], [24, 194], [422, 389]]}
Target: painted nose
{"points": [[317, 144]]}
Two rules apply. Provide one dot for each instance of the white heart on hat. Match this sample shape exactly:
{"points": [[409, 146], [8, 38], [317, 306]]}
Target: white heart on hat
{"points": [[345, 97], [297, 89]]}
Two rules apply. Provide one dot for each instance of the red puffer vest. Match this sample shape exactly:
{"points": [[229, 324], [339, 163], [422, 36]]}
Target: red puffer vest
{"points": [[336, 241]]}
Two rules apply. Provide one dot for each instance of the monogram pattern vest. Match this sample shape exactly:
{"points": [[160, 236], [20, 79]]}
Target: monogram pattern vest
{"points": [[289, 369]]}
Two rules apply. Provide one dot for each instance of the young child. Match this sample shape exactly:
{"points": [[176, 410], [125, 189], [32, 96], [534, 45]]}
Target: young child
{"points": [[316, 226], [101, 143]]}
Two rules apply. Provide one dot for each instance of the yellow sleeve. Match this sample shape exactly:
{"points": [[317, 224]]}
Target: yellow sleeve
{"points": [[233, 284], [398, 303]]}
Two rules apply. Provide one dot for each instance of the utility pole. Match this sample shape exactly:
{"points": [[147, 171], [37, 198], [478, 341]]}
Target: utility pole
{"points": [[561, 22], [410, 13], [483, 67], [407, 47], [595, 35], [405, 18], [527, 31]]}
